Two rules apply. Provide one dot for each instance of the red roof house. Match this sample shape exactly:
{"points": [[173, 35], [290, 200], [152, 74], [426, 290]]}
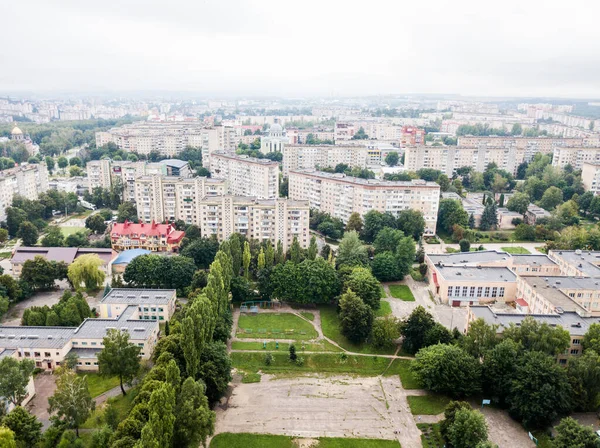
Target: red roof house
{"points": [[154, 237]]}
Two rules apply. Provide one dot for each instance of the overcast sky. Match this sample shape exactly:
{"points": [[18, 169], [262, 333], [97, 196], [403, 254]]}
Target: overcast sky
{"points": [[298, 48]]}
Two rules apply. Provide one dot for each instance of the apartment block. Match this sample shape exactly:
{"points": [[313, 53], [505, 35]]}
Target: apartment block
{"points": [[246, 176], [269, 219], [165, 198], [590, 176], [531, 145], [301, 157], [341, 195], [25, 180], [576, 157]]}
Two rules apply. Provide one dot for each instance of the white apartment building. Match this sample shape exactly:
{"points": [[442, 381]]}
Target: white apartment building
{"points": [[25, 180], [302, 157], [167, 198], [576, 157], [590, 176], [104, 173], [170, 138], [246, 176], [270, 219], [341, 195]]}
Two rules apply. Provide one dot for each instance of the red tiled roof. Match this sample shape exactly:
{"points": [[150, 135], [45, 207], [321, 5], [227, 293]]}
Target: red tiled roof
{"points": [[522, 302], [175, 236], [152, 229]]}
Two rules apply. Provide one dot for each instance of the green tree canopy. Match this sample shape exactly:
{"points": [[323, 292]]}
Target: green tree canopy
{"points": [[119, 357], [356, 317], [14, 377]]}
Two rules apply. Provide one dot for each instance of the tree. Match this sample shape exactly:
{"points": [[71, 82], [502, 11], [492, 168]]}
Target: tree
{"points": [[215, 370], [498, 368], [295, 252], [7, 438], [313, 250], [260, 261], [194, 421], [385, 267], [28, 232], [75, 171], [451, 212], [584, 376], [443, 182], [385, 331], [374, 221], [293, 356], [387, 240], [480, 338], [469, 429], [489, 217], [591, 339], [392, 158], [465, 245], [101, 437], [158, 432], [356, 317], [540, 391], [571, 434], [541, 337], [471, 223], [127, 211], [405, 255], [78, 239], [71, 400], [354, 223], [525, 232], [96, 223], [447, 369], [14, 377], [246, 257], [27, 428], [411, 223], [119, 357], [365, 286], [551, 198], [450, 414], [414, 329], [86, 269], [202, 251], [312, 281], [351, 251], [517, 129], [14, 218], [197, 329], [62, 162], [3, 236], [53, 237], [76, 161]]}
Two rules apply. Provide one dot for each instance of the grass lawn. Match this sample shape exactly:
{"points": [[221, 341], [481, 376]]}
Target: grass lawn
{"points": [[427, 404], [402, 292], [123, 404], [319, 362], [544, 440], [66, 231], [402, 366], [99, 384], [274, 326], [382, 293], [518, 250], [330, 325], [307, 315], [244, 440], [5, 254], [322, 346], [384, 309], [251, 378], [431, 436]]}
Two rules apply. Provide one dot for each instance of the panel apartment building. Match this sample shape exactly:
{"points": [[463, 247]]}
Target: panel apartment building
{"points": [[302, 157], [268, 219], [170, 138], [25, 180], [576, 157], [246, 176], [341, 195]]}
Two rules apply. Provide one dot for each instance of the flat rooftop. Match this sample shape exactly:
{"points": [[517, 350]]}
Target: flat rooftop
{"points": [[586, 261], [366, 182], [575, 324], [462, 258], [550, 289], [131, 296], [532, 259], [477, 274], [35, 337]]}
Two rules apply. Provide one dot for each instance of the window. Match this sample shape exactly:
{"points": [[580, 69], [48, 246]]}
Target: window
{"points": [[479, 291], [161, 318], [501, 292], [88, 363], [153, 317], [47, 354], [58, 363], [160, 310], [95, 363], [84, 343], [465, 291], [576, 341], [94, 343], [562, 362], [74, 343], [79, 364], [36, 354], [153, 310], [472, 291], [494, 291], [487, 291], [27, 354], [140, 345], [575, 351], [450, 291]]}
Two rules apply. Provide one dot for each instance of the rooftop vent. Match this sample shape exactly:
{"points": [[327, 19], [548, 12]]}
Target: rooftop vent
{"points": [[32, 336], [139, 329], [2, 336], [558, 282], [576, 325], [49, 336], [578, 251]]}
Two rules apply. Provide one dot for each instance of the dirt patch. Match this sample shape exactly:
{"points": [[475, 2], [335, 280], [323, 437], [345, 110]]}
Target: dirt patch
{"points": [[306, 443], [503, 430]]}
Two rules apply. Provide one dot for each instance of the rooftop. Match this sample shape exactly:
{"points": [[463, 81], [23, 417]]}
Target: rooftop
{"points": [[575, 324], [144, 230], [468, 258], [366, 182], [244, 158], [132, 296], [493, 274], [35, 337], [98, 328], [127, 255], [174, 162], [65, 254], [532, 259], [585, 261], [550, 288]]}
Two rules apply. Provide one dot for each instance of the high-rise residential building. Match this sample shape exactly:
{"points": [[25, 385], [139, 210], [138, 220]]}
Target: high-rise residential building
{"points": [[165, 198], [104, 173], [590, 176], [341, 195], [269, 219], [246, 176], [25, 180], [300, 157], [170, 138], [576, 157]]}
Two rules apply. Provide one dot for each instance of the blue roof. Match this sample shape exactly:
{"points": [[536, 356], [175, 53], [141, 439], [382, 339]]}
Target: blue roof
{"points": [[127, 255]]}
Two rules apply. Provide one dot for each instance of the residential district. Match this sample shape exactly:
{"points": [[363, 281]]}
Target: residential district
{"points": [[384, 272]]}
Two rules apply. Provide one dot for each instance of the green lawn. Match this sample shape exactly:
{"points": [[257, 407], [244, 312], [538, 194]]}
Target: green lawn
{"points": [[330, 324], [402, 292], [123, 404], [251, 378], [384, 309], [274, 326], [544, 440], [66, 231], [427, 404], [431, 437], [382, 293], [99, 384], [402, 366], [517, 250], [322, 346], [307, 315], [319, 362], [244, 440]]}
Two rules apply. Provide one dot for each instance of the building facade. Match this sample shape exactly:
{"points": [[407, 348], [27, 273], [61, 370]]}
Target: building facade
{"points": [[25, 180], [153, 237], [576, 157], [246, 176], [275, 140], [301, 157], [590, 176], [341, 195], [152, 304]]}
